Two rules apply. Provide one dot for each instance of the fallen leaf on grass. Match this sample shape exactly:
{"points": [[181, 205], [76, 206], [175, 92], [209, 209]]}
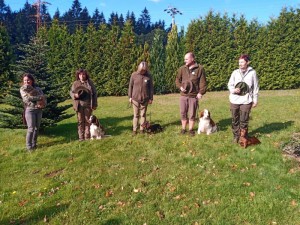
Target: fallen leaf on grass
{"points": [[109, 193], [160, 214], [22, 203], [252, 194], [120, 203], [247, 184], [197, 205], [137, 190], [46, 220], [54, 173], [101, 207], [97, 186], [294, 203], [143, 159]]}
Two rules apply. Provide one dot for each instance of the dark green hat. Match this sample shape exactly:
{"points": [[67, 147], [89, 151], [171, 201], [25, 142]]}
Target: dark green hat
{"points": [[244, 88], [82, 91]]}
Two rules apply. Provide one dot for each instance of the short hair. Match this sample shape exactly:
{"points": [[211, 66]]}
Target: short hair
{"points": [[82, 71], [30, 76], [245, 57], [143, 66]]}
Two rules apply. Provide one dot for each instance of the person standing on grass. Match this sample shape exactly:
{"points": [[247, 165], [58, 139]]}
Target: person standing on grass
{"points": [[32, 109], [84, 95], [243, 88], [140, 94], [191, 81]]}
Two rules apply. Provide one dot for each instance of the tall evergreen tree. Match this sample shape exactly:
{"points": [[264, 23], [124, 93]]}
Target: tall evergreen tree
{"points": [[6, 57], [59, 61], [157, 62], [173, 59], [279, 68], [98, 18], [34, 61], [144, 22]]}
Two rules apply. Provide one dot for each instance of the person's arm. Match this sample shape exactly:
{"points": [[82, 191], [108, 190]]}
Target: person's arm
{"points": [[130, 88], [255, 89], [202, 84]]}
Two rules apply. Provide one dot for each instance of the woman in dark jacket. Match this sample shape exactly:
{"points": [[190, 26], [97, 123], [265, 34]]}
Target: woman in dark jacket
{"points": [[84, 95], [140, 94]]}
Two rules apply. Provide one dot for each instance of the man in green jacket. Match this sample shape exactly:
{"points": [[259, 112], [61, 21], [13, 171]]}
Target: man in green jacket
{"points": [[191, 81]]}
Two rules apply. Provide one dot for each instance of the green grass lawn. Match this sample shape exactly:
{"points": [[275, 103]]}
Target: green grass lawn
{"points": [[164, 178]]}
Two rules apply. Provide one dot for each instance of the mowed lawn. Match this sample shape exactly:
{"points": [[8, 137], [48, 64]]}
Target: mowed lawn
{"points": [[165, 178]]}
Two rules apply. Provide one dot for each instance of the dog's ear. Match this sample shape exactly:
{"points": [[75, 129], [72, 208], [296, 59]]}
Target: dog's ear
{"points": [[97, 122], [212, 123], [201, 114]]}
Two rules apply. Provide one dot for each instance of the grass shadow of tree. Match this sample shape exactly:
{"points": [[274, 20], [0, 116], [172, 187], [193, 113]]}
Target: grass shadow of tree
{"points": [[38, 216], [69, 130]]}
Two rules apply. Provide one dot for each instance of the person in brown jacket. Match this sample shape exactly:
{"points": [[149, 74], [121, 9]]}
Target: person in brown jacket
{"points": [[84, 95], [140, 94], [191, 80]]}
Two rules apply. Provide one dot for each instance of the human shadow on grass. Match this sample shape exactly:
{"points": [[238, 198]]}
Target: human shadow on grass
{"points": [[272, 127], [112, 222], [43, 215], [223, 124]]}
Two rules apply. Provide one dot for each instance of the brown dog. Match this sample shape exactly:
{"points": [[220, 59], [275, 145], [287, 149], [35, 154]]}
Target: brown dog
{"points": [[246, 141]]}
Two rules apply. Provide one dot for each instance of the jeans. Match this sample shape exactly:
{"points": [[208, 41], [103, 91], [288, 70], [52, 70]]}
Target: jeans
{"points": [[33, 121]]}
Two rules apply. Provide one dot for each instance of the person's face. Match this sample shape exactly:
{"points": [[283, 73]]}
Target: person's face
{"points": [[188, 60], [82, 77], [243, 65], [27, 81]]}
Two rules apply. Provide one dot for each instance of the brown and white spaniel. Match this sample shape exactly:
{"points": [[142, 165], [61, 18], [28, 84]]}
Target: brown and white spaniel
{"points": [[96, 129], [206, 124]]}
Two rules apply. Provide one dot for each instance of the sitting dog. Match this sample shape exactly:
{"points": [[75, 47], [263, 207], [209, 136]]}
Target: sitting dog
{"points": [[206, 124], [152, 128], [96, 129], [245, 141], [31, 91]]}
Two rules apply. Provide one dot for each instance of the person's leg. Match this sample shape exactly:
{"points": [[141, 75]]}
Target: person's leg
{"points": [[193, 105], [30, 120], [244, 117], [136, 115], [80, 126], [143, 113], [235, 123], [183, 105], [87, 114], [38, 118]]}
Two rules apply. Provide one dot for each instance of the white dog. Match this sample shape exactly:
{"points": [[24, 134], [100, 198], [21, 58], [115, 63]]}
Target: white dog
{"points": [[206, 124], [96, 129]]}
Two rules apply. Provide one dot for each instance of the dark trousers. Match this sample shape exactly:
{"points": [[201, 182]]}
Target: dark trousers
{"points": [[240, 117], [83, 116]]}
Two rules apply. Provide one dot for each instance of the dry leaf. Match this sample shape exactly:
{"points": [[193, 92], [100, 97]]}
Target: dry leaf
{"points": [[120, 203], [22, 203], [136, 190], [46, 220], [247, 184], [197, 205], [293, 203], [109, 193], [252, 194], [160, 214]]}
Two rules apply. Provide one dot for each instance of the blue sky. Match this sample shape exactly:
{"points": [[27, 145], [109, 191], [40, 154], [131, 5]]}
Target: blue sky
{"points": [[262, 10]]}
